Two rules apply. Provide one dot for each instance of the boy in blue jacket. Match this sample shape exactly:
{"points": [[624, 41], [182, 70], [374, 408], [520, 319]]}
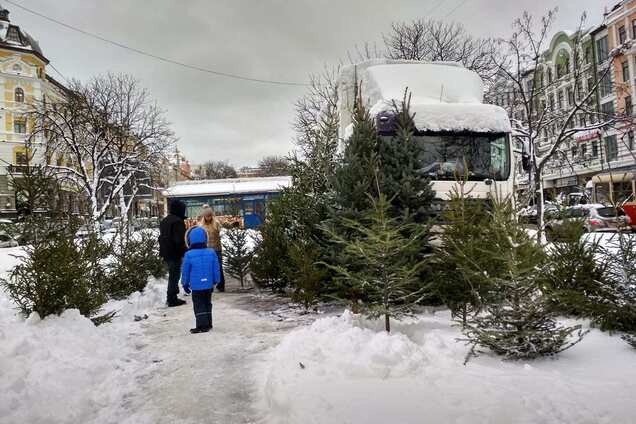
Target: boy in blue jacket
{"points": [[199, 274]]}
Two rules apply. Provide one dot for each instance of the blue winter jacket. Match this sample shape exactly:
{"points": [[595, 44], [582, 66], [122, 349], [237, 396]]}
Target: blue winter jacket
{"points": [[200, 268]]}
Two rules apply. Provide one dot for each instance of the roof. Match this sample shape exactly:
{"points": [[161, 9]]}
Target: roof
{"points": [[228, 186], [12, 37]]}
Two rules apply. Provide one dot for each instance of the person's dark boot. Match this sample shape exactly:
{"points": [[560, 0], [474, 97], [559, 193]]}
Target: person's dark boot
{"points": [[199, 330], [177, 302]]}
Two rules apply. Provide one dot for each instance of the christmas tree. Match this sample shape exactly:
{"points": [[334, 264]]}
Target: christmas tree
{"points": [[520, 323], [380, 260], [237, 253]]}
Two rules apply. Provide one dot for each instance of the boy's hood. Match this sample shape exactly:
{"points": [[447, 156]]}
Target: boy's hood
{"points": [[197, 235]]}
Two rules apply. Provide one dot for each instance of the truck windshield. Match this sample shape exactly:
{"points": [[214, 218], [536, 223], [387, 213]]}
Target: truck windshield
{"points": [[448, 156]]}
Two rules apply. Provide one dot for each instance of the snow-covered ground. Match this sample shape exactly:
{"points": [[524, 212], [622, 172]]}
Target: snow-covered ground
{"points": [[347, 370], [150, 370], [268, 362]]}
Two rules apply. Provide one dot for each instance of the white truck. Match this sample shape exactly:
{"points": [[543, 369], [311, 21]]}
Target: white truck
{"points": [[455, 128]]}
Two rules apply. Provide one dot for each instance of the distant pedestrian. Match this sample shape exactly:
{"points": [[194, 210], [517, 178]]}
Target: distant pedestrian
{"points": [[172, 248], [200, 273], [212, 228]]}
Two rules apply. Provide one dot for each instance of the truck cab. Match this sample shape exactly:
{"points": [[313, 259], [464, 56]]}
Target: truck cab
{"points": [[459, 134]]}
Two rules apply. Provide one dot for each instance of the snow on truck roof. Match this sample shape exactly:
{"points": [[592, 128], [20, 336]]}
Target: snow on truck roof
{"points": [[445, 96], [228, 186]]}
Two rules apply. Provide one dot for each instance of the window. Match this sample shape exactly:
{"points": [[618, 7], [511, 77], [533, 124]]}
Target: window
{"points": [[605, 85], [19, 95], [575, 151], [583, 150], [611, 148], [607, 109], [602, 49], [21, 158], [625, 69], [634, 29], [560, 99], [13, 34], [582, 122], [590, 83], [19, 126], [549, 75], [622, 35], [630, 140], [551, 101], [570, 96], [579, 90], [628, 106], [595, 149], [444, 156], [588, 55]]}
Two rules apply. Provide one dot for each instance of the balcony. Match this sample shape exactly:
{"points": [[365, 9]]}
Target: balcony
{"points": [[18, 169]]}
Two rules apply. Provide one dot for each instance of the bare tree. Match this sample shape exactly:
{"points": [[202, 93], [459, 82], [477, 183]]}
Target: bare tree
{"points": [[102, 136], [431, 40], [543, 118], [273, 166], [216, 169], [316, 124]]}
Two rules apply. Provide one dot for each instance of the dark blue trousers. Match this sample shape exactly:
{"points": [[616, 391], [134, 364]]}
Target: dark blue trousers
{"points": [[202, 304]]}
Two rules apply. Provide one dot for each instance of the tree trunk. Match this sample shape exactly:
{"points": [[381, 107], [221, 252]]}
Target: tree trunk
{"points": [[387, 323]]}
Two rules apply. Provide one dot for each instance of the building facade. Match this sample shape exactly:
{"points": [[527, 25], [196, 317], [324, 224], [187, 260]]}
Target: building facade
{"points": [[23, 84], [604, 55]]}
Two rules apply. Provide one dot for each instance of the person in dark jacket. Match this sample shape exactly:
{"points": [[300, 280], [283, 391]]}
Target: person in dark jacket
{"points": [[199, 274], [172, 247]]}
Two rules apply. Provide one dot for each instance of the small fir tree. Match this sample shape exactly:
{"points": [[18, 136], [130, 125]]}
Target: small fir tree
{"points": [[519, 324], [575, 278], [400, 165], [57, 271], [305, 271], [464, 264], [355, 178], [381, 260], [237, 253]]}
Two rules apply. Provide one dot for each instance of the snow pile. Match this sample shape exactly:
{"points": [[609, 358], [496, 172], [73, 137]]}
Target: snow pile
{"points": [[347, 370], [454, 117], [63, 369]]}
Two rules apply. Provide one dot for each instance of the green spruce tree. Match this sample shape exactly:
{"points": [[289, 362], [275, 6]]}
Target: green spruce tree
{"points": [[355, 177], [380, 260], [400, 164], [237, 253], [519, 324], [463, 263]]}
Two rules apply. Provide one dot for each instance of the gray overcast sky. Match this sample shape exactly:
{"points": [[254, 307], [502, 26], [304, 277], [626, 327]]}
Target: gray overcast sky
{"points": [[220, 118]]}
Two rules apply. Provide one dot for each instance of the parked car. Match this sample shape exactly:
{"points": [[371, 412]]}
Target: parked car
{"points": [[593, 218], [7, 241], [529, 215]]}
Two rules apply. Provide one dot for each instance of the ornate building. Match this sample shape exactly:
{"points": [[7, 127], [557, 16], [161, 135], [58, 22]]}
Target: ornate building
{"points": [[23, 83]]}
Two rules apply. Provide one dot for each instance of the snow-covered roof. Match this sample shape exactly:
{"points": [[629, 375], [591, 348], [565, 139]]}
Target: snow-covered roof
{"points": [[444, 96], [228, 186]]}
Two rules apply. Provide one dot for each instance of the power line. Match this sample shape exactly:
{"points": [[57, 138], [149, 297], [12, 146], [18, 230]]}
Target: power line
{"points": [[432, 9], [461, 3], [157, 57], [60, 74]]}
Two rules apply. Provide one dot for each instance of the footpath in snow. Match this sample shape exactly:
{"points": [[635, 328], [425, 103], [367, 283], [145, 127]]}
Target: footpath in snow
{"points": [[150, 370]]}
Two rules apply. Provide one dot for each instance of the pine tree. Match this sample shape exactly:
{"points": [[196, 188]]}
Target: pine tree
{"points": [[400, 164], [380, 261], [463, 263], [519, 324], [237, 253], [355, 177], [305, 271]]}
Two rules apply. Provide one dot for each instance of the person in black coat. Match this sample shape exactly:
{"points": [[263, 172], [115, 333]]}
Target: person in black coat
{"points": [[172, 247]]}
